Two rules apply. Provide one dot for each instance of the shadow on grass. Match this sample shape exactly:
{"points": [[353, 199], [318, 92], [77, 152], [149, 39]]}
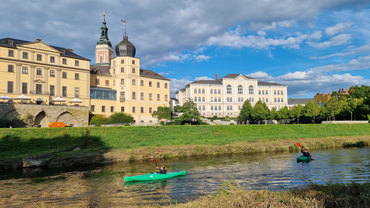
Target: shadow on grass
{"points": [[61, 149]]}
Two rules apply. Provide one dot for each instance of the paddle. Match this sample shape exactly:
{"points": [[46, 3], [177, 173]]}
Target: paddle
{"points": [[155, 162], [301, 146]]}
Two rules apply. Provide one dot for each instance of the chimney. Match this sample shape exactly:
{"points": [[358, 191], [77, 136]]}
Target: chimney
{"points": [[38, 40], [70, 49], [216, 76]]}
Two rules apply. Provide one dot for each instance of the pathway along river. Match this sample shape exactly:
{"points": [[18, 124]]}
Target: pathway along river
{"points": [[105, 187]]}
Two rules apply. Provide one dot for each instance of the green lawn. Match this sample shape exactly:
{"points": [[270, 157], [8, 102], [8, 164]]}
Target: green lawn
{"points": [[32, 141]]}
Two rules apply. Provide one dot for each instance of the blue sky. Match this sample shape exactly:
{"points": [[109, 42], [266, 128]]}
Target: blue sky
{"points": [[311, 46]]}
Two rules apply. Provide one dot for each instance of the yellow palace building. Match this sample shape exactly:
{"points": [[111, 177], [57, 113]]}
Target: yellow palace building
{"points": [[118, 84]]}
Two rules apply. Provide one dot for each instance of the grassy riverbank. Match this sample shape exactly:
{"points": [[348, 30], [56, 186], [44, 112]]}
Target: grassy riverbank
{"points": [[329, 195], [112, 144]]}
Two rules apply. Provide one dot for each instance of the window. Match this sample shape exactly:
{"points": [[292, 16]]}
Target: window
{"points": [[97, 81], [133, 70], [158, 97], [133, 82], [219, 99], [106, 82], [142, 96], [282, 100], [122, 108], [165, 97], [231, 107], [204, 107], [211, 99], [64, 75], [263, 99], [267, 100], [52, 73], [122, 61], [228, 108], [228, 89], [133, 109], [211, 107], [122, 81], [112, 109], [64, 91], [25, 55], [134, 95], [77, 76], [228, 99], [122, 69], [203, 99], [158, 85], [24, 88], [122, 96], [203, 91], [141, 109], [77, 92], [219, 107], [103, 108], [64, 61], [200, 107], [101, 59], [211, 91], [133, 61], [274, 92], [52, 90], [142, 82], [52, 59], [195, 91], [278, 92], [240, 89], [25, 70], [267, 92], [219, 91], [275, 100], [92, 108], [259, 92], [165, 85], [150, 96], [38, 57], [38, 72], [199, 91], [10, 68], [11, 53], [150, 109], [281, 92], [77, 63], [150, 83], [251, 90], [278, 100]]}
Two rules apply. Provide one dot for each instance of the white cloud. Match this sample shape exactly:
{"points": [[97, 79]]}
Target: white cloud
{"points": [[201, 58], [202, 78], [340, 27], [351, 51], [287, 24], [360, 63], [316, 35], [261, 76], [334, 41], [262, 33], [255, 26]]}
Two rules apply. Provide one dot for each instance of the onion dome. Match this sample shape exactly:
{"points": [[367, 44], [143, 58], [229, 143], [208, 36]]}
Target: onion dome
{"points": [[125, 47]]}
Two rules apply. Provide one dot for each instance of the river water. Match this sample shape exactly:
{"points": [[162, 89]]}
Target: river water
{"points": [[104, 186]]}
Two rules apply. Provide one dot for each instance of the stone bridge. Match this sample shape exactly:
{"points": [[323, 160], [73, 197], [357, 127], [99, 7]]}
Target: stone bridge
{"points": [[31, 115]]}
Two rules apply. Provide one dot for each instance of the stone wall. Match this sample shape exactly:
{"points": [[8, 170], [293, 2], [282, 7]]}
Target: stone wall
{"points": [[30, 115], [344, 122]]}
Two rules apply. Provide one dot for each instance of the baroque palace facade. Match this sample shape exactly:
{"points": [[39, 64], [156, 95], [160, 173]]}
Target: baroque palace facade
{"points": [[114, 84], [225, 96]]}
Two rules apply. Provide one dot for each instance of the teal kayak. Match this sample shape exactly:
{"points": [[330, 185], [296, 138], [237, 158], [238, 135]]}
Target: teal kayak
{"points": [[152, 177], [303, 158]]}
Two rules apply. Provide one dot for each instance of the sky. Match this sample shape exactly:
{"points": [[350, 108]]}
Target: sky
{"points": [[310, 46]]}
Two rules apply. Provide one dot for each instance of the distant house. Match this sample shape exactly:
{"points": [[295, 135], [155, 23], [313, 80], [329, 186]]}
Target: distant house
{"points": [[321, 99]]}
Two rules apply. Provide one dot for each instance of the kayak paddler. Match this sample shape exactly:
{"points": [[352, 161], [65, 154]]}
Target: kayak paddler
{"points": [[306, 153], [162, 170]]}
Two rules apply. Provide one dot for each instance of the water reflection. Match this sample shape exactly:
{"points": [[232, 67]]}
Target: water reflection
{"points": [[104, 186]]}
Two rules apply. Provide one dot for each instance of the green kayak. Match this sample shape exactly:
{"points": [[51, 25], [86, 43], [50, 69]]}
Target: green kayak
{"points": [[303, 158], [152, 177]]}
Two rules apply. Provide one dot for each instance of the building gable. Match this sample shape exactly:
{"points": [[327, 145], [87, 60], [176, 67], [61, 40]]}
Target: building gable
{"points": [[39, 46]]}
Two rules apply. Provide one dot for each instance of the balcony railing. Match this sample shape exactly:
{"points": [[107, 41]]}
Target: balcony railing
{"points": [[39, 92], [122, 99]]}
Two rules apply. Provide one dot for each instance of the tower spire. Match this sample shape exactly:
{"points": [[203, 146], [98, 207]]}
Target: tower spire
{"points": [[104, 33]]}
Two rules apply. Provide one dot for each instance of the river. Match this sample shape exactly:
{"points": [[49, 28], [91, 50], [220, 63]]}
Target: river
{"points": [[104, 186]]}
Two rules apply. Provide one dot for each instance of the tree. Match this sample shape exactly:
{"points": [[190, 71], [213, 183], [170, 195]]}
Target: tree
{"points": [[296, 111], [260, 112], [312, 110], [325, 112], [120, 117], [190, 112], [274, 114], [98, 119], [284, 113], [360, 92], [162, 113], [245, 112], [335, 104], [349, 106]]}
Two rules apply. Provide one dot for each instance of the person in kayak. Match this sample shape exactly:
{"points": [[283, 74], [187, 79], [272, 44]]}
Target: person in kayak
{"points": [[306, 153], [162, 170]]}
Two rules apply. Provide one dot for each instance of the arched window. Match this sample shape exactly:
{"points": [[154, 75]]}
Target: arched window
{"points": [[204, 99], [211, 107], [219, 91], [281, 92], [228, 108], [203, 91], [211, 99], [231, 107], [211, 91], [195, 99], [200, 107], [195, 91], [199, 99], [204, 107], [219, 99], [251, 90], [219, 107], [240, 89], [228, 89], [199, 91]]}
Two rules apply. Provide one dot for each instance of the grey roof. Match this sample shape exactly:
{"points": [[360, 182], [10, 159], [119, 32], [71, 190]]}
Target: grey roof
{"points": [[235, 75], [151, 74], [175, 99], [100, 70], [183, 90], [270, 83], [5, 42], [302, 101], [214, 82], [125, 47]]}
